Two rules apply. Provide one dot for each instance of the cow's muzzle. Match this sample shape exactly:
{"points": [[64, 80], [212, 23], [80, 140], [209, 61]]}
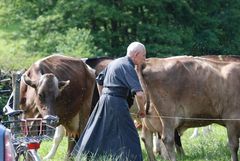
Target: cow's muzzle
{"points": [[51, 120]]}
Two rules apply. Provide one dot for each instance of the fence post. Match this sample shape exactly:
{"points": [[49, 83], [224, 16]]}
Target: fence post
{"points": [[16, 78]]}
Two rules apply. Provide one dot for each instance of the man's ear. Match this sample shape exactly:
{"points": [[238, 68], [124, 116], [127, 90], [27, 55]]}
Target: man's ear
{"points": [[136, 54]]}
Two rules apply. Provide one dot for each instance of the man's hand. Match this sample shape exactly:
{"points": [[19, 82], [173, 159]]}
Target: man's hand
{"points": [[140, 102]]}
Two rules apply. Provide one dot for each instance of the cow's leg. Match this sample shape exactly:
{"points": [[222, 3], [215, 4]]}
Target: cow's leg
{"points": [[206, 130], [195, 133], [233, 140], [178, 143], [156, 143], [58, 136], [147, 138], [71, 143], [168, 140]]}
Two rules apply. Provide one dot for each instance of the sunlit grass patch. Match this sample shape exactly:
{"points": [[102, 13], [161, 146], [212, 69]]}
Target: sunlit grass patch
{"points": [[61, 151], [212, 147]]}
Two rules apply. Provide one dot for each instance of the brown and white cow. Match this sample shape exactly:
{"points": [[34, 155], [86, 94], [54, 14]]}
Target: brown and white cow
{"points": [[98, 64], [62, 86], [191, 92]]}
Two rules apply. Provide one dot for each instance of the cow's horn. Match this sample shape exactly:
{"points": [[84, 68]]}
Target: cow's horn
{"points": [[28, 81], [63, 84]]}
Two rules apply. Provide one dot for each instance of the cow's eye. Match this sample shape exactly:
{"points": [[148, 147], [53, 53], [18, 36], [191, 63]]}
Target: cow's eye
{"points": [[41, 96]]}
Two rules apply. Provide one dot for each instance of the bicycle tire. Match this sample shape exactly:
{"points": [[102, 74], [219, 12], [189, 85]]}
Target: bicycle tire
{"points": [[20, 152], [23, 154], [32, 155]]}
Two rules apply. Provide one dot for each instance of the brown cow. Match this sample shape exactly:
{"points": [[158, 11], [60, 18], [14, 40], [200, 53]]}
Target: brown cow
{"points": [[61, 86], [152, 123], [98, 64], [184, 87]]}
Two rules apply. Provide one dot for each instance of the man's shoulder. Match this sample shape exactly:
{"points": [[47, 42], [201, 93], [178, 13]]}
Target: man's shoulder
{"points": [[124, 58], [120, 61]]}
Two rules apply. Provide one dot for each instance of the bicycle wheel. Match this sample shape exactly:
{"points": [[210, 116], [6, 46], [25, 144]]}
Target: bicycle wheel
{"points": [[32, 155], [21, 151], [23, 154]]}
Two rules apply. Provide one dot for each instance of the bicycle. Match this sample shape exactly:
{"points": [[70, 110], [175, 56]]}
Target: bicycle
{"points": [[27, 134]]}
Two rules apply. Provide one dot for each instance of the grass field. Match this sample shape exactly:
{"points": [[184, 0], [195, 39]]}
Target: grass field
{"points": [[212, 147]]}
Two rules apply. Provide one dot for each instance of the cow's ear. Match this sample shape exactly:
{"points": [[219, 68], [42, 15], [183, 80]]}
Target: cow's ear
{"points": [[63, 84], [28, 81]]}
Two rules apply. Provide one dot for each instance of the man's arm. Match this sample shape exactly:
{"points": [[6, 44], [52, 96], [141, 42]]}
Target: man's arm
{"points": [[140, 98]]}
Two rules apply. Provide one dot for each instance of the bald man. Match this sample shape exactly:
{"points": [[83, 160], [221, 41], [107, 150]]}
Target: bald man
{"points": [[110, 130]]}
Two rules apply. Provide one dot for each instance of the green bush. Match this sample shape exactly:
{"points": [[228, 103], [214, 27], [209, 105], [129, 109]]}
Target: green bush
{"points": [[77, 42], [74, 42]]}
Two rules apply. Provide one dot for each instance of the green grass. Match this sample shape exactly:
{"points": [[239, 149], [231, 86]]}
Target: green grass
{"points": [[60, 154], [212, 147]]}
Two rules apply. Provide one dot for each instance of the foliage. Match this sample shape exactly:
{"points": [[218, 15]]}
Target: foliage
{"points": [[166, 27], [5, 88], [46, 38], [47, 33], [76, 42]]}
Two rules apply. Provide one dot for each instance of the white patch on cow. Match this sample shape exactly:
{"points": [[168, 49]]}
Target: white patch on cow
{"points": [[75, 123]]}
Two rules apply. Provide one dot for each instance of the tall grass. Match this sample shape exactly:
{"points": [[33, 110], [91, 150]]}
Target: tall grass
{"points": [[212, 147]]}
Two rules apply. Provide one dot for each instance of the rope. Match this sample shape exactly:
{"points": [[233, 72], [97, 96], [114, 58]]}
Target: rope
{"points": [[187, 118]]}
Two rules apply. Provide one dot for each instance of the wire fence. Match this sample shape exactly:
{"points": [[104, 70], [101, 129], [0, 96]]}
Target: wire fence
{"points": [[188, 118]]}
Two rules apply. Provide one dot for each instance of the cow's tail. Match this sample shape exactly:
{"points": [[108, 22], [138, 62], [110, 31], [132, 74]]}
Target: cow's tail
{"points": [[144, 86]]}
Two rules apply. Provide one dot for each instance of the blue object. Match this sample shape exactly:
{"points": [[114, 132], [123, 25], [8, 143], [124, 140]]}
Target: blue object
{"points": [[2, 142]]}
